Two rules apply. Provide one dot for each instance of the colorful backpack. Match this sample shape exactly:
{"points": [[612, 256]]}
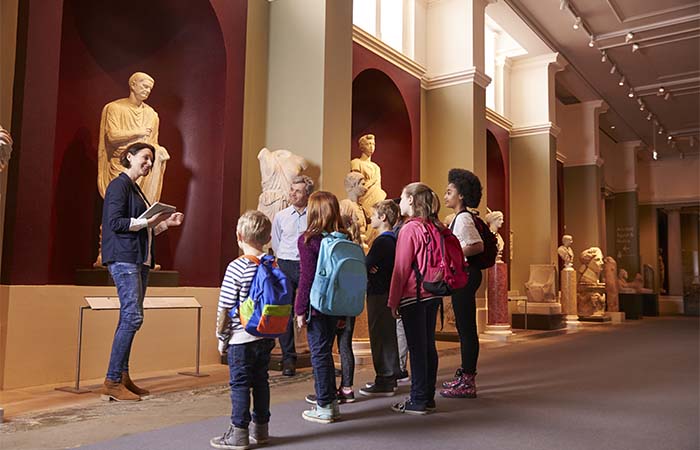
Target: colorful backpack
{"points": [[340, 282], [266, 311], [445, 269]]}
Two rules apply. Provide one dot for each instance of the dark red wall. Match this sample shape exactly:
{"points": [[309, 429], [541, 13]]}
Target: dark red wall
{"points": [[195, 50], [498, 178], [386, 103]]}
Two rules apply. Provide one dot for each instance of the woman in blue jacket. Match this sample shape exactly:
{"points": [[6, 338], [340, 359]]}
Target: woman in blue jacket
{"points": [[127, 251]]}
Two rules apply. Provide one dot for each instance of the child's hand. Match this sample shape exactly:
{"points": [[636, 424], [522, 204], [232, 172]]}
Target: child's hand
{"points": [[395, 313], [301, 322], [223, 347]]}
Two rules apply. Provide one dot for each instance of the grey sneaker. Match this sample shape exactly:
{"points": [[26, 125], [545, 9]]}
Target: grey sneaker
{"points": [[259, 433], [233, 439], [376, 390]]}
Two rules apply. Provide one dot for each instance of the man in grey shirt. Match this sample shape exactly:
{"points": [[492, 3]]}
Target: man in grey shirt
{"points": [[287, 226]]}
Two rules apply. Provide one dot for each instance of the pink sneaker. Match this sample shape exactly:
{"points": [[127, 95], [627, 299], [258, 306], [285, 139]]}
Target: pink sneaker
{"points": [[465, 388], [454, 381]]}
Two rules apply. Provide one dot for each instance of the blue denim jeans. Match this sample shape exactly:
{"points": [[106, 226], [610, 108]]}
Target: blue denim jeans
{"points": [[419, 323], [248, 364], [321, 334], [131, 281]]}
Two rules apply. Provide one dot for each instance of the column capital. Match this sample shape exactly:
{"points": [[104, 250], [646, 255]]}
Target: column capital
{"points": [[554, 59], [529, 130], [470, 75]]}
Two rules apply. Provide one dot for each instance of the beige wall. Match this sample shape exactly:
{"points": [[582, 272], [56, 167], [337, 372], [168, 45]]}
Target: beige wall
{"points": [[649, 240], [667, 181], [533, 204], [582, 206], [41, 327], [255, 101]]}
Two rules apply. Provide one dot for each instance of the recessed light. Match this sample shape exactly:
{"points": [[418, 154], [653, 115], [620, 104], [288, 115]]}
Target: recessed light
{"points": [[577, 23], [630, 94], [591, 43], [628, 37], [635, 47], [655, 155], [661, 90], [649, 116], [603, 56], [670, 138], [612, 127], [622, 81]]}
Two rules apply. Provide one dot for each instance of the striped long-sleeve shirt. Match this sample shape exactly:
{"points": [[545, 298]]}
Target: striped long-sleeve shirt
{"points": [[234, 289]]}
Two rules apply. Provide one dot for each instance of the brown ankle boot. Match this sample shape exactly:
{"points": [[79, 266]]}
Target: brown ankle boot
{"points": [[129, 384], [115, 390]]}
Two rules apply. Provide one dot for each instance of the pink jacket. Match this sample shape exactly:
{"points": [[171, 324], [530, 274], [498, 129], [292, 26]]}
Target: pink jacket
{"points": [[411, 246]]}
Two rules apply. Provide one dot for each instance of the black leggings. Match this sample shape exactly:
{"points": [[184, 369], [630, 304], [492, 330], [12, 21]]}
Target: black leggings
{"points": [[464, 306]]}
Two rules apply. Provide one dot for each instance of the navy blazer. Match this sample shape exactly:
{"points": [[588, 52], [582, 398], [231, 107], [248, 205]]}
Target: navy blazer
{"points": [[122, 202]]}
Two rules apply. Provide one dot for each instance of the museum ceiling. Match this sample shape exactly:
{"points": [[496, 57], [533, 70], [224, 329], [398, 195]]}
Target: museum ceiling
{"points": [[655, 46]]}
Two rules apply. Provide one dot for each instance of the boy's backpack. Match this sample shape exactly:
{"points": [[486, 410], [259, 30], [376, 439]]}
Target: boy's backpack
{"points": [[340, 282], [445, 269], [487, 258], [266, 311]]}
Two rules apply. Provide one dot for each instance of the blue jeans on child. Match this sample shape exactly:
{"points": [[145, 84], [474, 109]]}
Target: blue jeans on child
{"points": [[248, 364], [419, 323], [131, 281], [321, 334]]}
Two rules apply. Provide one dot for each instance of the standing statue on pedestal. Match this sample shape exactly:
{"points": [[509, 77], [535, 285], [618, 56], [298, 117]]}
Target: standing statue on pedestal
{"points": [[591, 292], [277, 170], [371, 173], [497, 290], [565, 252], [124, 122], [612, 286], [494, 219], [5, 148], [351, 208]]}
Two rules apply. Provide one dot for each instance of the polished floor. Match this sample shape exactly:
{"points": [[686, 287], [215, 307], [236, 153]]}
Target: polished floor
{"points": [[629, 386]]}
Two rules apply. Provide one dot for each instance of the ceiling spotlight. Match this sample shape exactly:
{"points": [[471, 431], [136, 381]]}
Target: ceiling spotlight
{"points": [[667, 96], [628, 37], [630, 94], [563, 5], [603, 56], [661, 90], [656, 123], [649, 116], [670, 138], [635, 47], [613, 69], [641, 107], [639, 101], [612, 127], [661, 130], [577, 23], [655, 155], [622, 81], [591, 43]]}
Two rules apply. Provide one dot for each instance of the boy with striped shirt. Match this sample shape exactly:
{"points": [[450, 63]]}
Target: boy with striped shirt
{"points": [[248, 356]]}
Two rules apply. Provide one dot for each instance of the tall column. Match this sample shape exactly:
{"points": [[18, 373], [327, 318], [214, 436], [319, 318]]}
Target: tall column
{"points": [[533, 186], [309, 96], [674, 271]]}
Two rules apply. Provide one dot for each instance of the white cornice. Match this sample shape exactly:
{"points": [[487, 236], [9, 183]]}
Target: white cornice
{"points": [[498, 119], [378, 47], [591, 161], [471, 75], [524, 62], [531, 130], [561, 158]]}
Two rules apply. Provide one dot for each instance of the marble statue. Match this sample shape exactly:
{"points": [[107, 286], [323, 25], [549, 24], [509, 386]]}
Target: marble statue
{"points": [[540, 286], [592, 264], [612, 287], [630, 287], [662, 271], [495, 221], [371, 173], [351, 208], [565, 252], [124, 122], [277, 170], [5, 148]]}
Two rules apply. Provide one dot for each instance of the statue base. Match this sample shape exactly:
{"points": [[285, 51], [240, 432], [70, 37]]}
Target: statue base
{"points": [[499, 330], [539, 321], [599, 319], [632, 305], [101, 277], [567, 281], [538, 307]]}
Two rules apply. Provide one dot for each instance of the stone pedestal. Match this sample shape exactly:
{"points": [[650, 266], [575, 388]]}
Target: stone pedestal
{"points": [[590, 300], [567, 281], [497, 323]]}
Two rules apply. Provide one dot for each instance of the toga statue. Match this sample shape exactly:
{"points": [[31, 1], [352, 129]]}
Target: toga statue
{"points": [[371, 173], [277, 170], [495, 221], [5, 148], [565, 252], [592, 264], [124, 122], [351, 208]]}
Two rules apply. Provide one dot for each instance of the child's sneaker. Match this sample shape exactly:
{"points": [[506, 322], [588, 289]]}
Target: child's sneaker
{"points": [[233, 439], [375, 390], [322, 414], [310, 399], [408, 407], [454, 381], [345, 396], [466, 388], [258, 433]]}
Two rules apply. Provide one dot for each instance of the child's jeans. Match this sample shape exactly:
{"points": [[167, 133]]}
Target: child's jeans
{"points": [[382, 340], [419, 323], [347, 357], [320, 332], [248, 365]]}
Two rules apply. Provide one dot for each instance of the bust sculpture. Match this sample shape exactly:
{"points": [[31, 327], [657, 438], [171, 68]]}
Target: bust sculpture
{"points": [[565, 252], [124, 122], [277, 170], [351, 208], [494, 219], [371, 173], [5, 148], [592, 264]]}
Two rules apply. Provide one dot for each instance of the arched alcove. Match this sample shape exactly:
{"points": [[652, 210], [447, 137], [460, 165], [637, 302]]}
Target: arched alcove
{"points": [[379, 108], [497, 186], [181, 45]]}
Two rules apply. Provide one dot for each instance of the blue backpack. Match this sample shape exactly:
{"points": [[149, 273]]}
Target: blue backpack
{"points": [[266, 311], [340, 282]]}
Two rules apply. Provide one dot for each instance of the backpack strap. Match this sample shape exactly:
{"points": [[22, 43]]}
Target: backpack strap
{"points": [[252, 258], [452, 225]]}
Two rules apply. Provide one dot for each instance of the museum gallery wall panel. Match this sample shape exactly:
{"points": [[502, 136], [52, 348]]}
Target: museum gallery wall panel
{"points": [[195, 51], [386, 103]]}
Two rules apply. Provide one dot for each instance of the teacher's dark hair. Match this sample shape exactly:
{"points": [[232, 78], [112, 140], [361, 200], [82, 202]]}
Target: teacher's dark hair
{"points": [[134, 149]]}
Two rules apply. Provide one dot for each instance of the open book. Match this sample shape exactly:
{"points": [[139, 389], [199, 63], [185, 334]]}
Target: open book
{"points": [[157, 208]]}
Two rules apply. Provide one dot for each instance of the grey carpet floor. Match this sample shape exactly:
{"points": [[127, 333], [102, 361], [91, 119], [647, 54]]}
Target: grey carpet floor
{"points": [[626, 387]]}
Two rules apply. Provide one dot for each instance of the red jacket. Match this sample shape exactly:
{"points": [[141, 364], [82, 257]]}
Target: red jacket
{"points": [[411, 246]]}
